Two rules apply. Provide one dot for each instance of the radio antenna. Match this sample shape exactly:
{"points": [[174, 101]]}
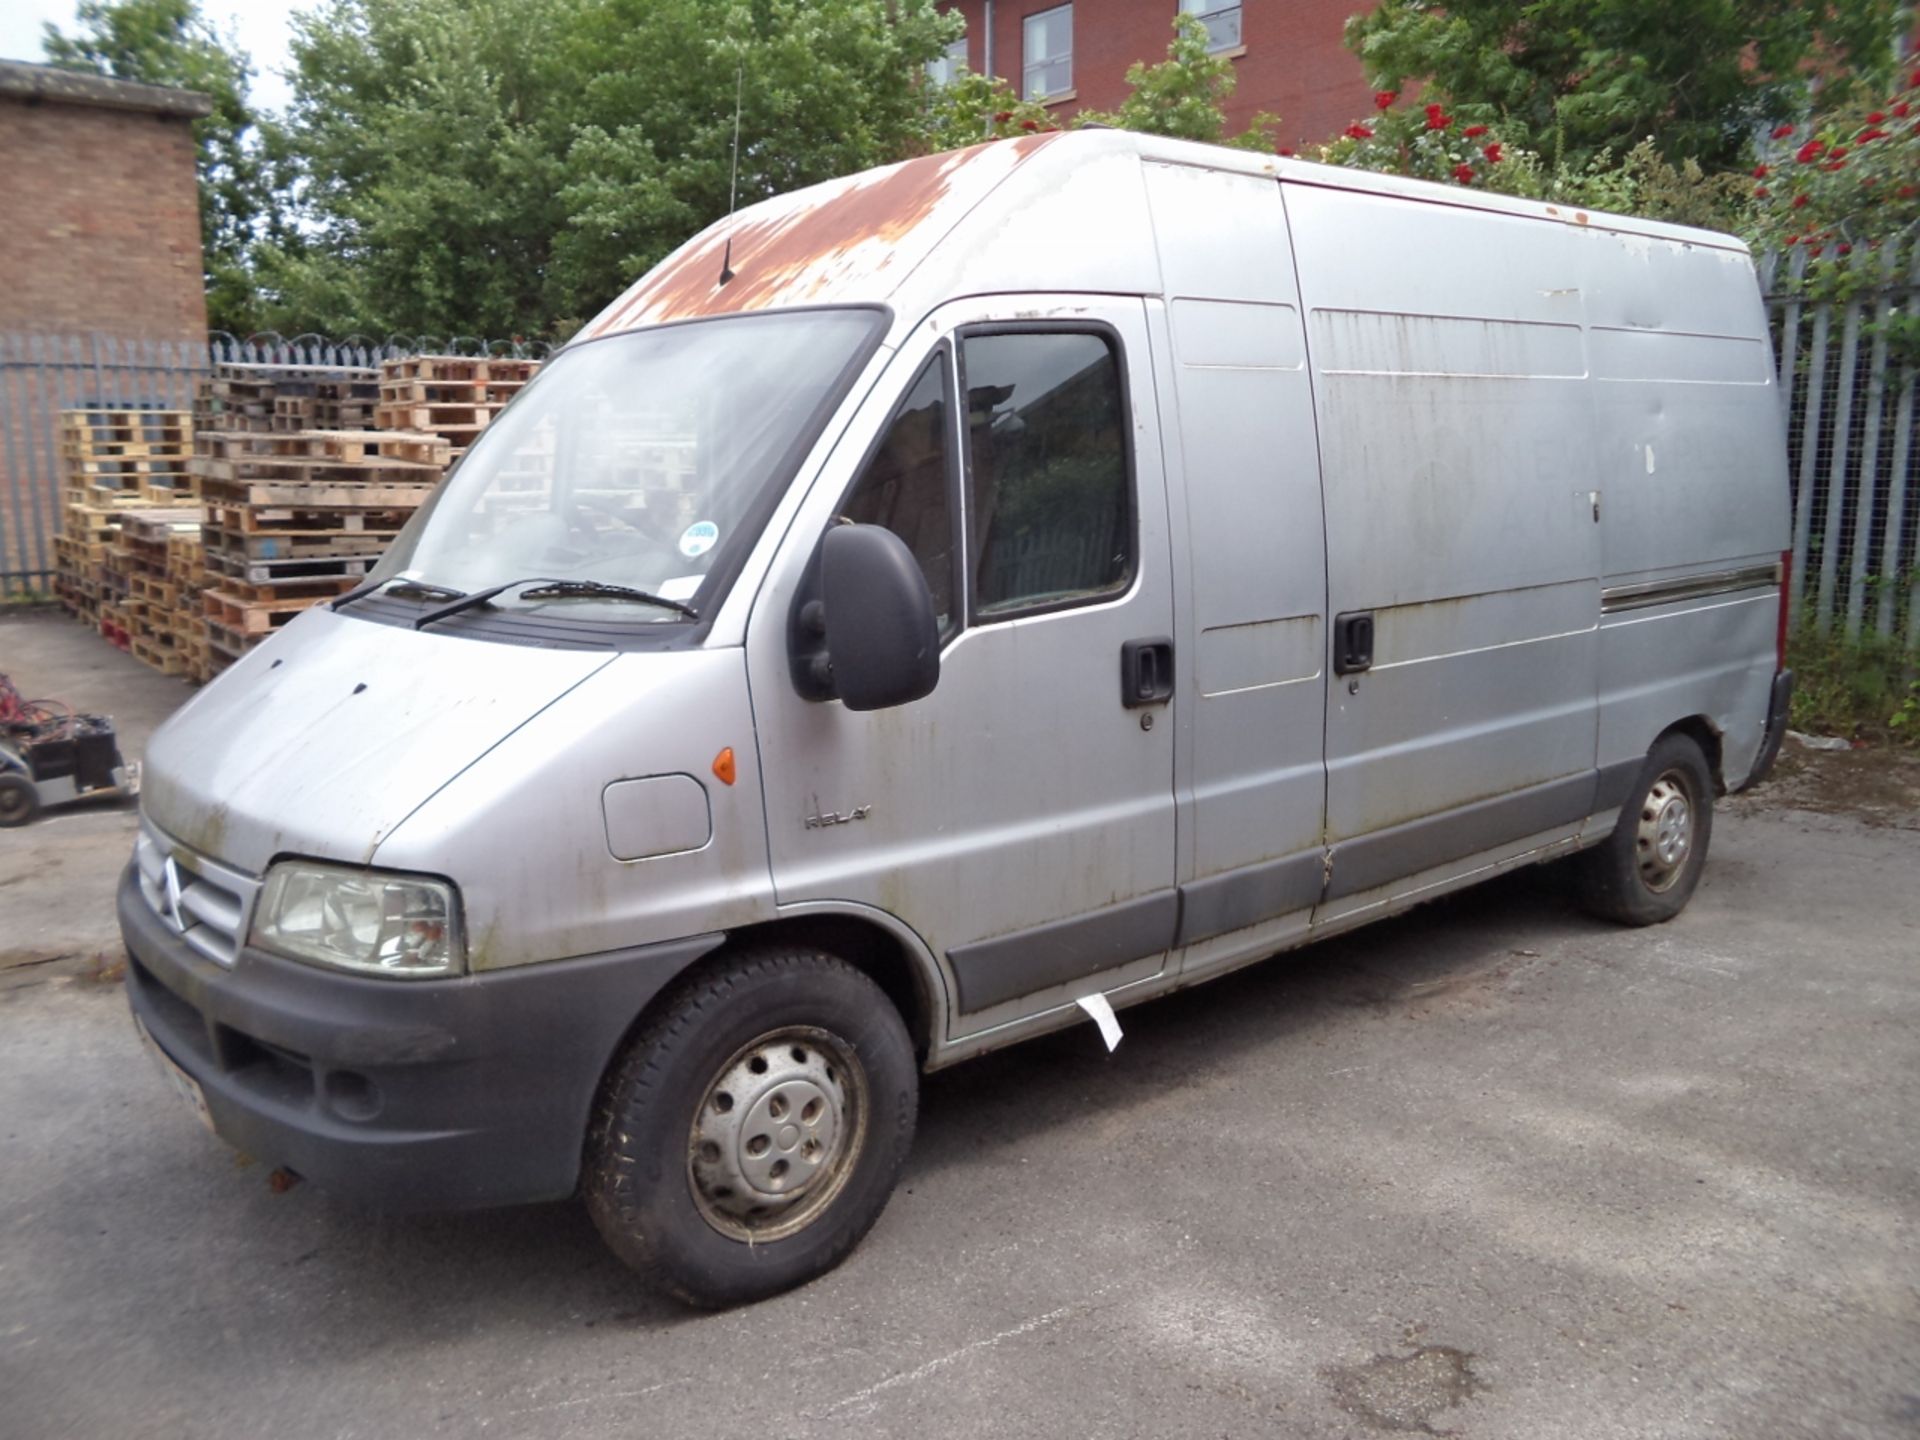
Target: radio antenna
{"points": [[733, 188]]}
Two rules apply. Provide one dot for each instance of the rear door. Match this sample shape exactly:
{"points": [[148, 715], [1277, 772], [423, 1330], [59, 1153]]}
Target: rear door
{"points": [[1020, 819]]}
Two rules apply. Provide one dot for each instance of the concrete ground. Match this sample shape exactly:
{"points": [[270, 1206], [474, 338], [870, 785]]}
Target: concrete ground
{"points": [[1489, 1170]]}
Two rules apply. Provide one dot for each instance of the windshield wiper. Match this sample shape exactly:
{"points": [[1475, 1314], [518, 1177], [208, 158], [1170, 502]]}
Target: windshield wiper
{"points": [[599, 589], [417, 587], [549, 586]]}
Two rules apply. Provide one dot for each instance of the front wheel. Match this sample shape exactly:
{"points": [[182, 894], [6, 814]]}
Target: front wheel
{"points": [[1646, 871], [750, 1134]]}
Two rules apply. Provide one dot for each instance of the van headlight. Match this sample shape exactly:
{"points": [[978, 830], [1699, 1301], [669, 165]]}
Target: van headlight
{"points": [[369, 922]]}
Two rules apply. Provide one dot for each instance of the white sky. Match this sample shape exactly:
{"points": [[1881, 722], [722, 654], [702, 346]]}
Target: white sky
{"points": [[261, 25]]}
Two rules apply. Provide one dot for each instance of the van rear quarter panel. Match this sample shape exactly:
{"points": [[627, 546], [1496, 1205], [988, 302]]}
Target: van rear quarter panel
{"points": [[1693, 481]]}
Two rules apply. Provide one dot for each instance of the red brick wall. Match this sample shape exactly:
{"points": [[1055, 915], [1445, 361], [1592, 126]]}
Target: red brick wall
{"points": [[102, 226], [1294, 63]]}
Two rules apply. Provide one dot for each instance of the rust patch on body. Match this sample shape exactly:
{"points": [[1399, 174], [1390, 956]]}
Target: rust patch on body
{"points": [[792, 254]]}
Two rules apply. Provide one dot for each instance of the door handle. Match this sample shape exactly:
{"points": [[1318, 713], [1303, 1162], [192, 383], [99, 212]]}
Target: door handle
{"points": [[1146, 672], [1353, 642]]}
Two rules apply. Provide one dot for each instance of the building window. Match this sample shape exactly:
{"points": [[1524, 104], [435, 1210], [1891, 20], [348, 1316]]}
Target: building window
{"points": [[1048, 57], [948, 67], [1221, 19]]}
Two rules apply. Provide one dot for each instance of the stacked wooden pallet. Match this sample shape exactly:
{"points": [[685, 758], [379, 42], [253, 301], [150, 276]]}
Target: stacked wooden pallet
{"points": [[114, 464], [274, 397], [453, 396], [156, 613], [295, 518]]}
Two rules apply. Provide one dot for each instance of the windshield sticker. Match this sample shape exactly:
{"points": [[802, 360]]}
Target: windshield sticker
{"points": [[681, 587], [698, 538]]}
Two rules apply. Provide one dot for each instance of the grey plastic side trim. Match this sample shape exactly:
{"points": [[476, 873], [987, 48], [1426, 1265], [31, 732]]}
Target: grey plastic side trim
{"points": [[990, 971], [1392, 854], [1616, 781], [1239, 898], [1691, 587]]}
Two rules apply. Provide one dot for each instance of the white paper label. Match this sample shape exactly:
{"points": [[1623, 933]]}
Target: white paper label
{"points": [[1096, 1006]]}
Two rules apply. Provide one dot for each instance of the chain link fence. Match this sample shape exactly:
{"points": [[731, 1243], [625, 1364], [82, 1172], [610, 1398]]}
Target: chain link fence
{"points": [[41, 375], [1849, 353]]}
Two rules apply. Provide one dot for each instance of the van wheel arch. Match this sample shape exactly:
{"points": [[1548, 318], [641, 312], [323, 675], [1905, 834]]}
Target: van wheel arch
{"points": [[863, 943], [1704, 733]]}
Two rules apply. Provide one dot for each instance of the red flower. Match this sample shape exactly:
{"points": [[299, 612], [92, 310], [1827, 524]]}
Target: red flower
{"points": [[1906, 192], [1901, 110], [1809, 152], [1866, 136], [1799, 201], [1874, 117], [1474, 132], [1437, 119], [1286, 150], [1845, 249], [1029, 124], [1780, 132], [1836, 165], [1002, 116], [1760, 172], [1493, 153], [1357, 131], [1793, 240], [1383, 99], [1463, 173], [1913, 81], [1761, 191]]}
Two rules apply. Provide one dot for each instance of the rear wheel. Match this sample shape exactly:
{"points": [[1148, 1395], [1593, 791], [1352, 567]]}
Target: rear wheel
{"points": [[1646, 871], [19, 799], [750, 1134]]}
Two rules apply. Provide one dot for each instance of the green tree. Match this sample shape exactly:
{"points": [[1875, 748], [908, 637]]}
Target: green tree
{"points": [[509, 166], [1575, 77], [1184, 95], [169, 42]]}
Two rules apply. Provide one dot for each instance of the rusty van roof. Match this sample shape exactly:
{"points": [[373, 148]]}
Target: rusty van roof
{"points": [[850, 239]]}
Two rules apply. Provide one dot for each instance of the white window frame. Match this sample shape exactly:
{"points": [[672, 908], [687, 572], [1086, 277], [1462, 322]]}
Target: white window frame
{"points": [[1030, 70], [1209, 11], [950, 66]]}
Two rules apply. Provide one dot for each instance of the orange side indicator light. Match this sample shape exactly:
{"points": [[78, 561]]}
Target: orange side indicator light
{"points": [[723, 766]]}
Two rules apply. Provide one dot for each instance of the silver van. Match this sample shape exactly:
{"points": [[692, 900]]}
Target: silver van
{"points": [[929, 608]]}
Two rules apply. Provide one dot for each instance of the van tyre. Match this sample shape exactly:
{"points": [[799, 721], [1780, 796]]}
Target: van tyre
{"points": [[749, 1135], [1646, 871]]}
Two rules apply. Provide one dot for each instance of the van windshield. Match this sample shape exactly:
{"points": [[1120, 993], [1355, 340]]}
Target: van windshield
{"points": [[644, 460]]}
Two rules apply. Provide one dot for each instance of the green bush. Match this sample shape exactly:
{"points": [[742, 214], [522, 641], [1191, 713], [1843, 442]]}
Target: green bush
{"points": [[1865, 689]]}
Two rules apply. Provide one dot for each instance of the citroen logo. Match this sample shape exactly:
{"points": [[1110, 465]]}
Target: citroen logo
{"points": [[174, 916]]}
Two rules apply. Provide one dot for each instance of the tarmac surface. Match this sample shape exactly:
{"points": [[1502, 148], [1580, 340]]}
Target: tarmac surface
{"points": [[1489, 1170]]}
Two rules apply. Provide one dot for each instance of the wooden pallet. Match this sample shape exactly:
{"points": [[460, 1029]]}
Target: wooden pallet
{"points": [[245, 617]]}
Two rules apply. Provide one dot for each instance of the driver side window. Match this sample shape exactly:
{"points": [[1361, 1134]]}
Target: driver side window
{"points": [[907, 484]]}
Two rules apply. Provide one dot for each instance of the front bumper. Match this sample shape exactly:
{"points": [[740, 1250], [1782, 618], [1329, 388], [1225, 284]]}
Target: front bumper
{"points": [[1778, 708], [435, 1094]]}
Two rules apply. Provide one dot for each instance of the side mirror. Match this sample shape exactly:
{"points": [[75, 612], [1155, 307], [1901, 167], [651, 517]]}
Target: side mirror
{"points": [[883, 641]]}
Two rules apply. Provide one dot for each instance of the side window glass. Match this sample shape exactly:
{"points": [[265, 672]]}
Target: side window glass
{"points": [[1049, 515], [905, 485]]}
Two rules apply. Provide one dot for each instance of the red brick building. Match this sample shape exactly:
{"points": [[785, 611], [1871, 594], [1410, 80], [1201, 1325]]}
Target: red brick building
{"points": [[1287, 55], [102, 290], [103, 210]]}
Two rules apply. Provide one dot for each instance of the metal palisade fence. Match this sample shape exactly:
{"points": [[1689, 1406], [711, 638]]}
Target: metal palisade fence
{"points": [[1848, 348], [41, 375]]}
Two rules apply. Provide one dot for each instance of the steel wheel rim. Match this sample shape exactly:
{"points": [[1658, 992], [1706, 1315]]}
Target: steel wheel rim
{"points": [[777, 1134], [1663, 838], [14, 804]]}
